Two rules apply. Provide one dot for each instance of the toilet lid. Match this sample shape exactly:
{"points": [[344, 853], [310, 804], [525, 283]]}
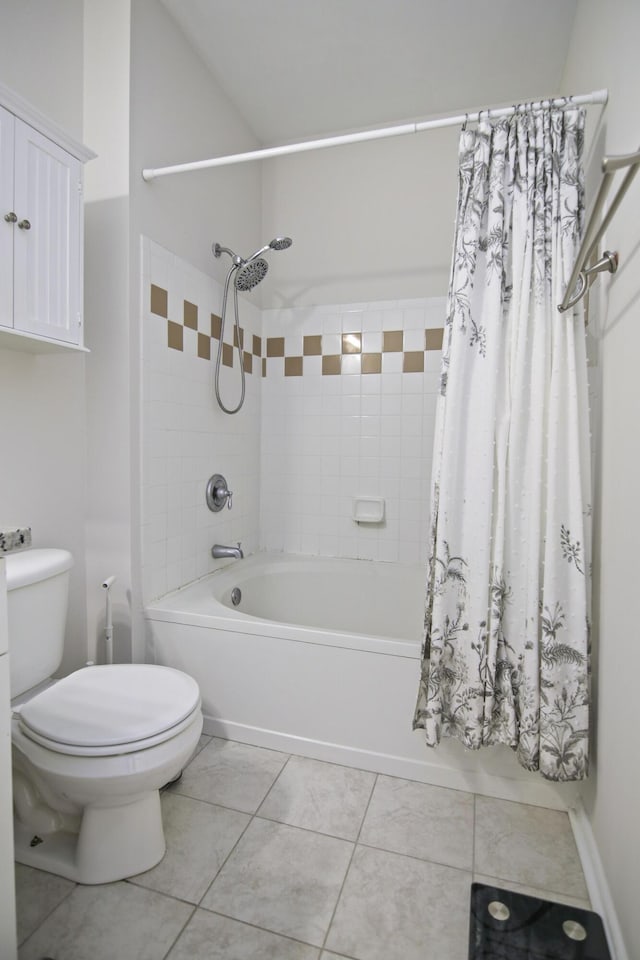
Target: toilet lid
{"points": [[111, 705]]}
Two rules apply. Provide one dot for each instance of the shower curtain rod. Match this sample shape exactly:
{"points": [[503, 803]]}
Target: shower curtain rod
{"points": [[151, 173]]}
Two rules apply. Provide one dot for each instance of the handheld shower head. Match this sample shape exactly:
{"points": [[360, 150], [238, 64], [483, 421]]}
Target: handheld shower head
{"points": [[246, 275], [281, 243], [278, 243]]}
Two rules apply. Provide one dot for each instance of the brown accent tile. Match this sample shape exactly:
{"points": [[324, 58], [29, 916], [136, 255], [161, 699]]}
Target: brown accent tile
{"points": [[227, 355], [257, 346], [264, 367], [331, 364], [312, 346], [352, 343], [235, 337], [216, 326], [372, 363], [204, 346], [275, 346], [248, 361], [392, 341], [174, 335], [159, 301], [413, 361], [190, 315], [293, 366], [433, 339]]}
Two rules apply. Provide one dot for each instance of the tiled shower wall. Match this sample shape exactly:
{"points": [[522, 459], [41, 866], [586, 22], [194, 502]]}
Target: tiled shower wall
{"points": [[340, 404], [185, 437], [348, 411]]}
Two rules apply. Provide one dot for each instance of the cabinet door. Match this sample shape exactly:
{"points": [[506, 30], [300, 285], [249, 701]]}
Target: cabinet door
{"points": [[47, 238], [6, 226]]}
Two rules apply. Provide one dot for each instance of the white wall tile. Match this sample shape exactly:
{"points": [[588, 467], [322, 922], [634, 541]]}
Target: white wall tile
{"points": [[372, 434], [392, 319], [182, 426], [300, 449]]}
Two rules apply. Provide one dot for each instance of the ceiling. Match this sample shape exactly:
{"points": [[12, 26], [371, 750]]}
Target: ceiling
{"points": [[298, 69]]}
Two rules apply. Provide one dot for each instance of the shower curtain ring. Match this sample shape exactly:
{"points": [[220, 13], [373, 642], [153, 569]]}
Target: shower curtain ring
{"points": [[464, 122]]}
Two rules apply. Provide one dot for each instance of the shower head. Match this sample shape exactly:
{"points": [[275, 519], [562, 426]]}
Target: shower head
{"points": [[278, 243], [281, 243], [252, 270], [251, 273]]}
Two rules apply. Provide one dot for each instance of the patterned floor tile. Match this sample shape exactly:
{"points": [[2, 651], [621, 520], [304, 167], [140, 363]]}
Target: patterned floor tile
{"points": [[109, 921], [232, 774], [199, 836], [208, 936], [320, 796], [283, 879], [37, 895], [529, 845], [394, 907], [432, 823]]}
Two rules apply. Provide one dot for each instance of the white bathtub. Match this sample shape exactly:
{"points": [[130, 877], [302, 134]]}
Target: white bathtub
{"points": [[321, 658]]}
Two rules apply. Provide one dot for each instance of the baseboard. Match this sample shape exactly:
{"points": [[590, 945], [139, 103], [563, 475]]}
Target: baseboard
{"points": [[595, 878], [535, 791]]}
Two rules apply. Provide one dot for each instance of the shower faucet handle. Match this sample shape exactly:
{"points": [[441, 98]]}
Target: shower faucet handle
{"points": [[218, 493]]}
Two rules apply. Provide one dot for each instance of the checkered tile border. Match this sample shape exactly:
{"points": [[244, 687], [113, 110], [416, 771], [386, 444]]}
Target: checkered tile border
{"points": [[275, 347]]}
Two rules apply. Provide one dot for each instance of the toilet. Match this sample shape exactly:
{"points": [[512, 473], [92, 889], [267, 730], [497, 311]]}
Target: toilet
{"points": [[90, 751]]}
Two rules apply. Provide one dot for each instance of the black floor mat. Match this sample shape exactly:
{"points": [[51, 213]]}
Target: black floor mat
{"points": [[511, 926]]}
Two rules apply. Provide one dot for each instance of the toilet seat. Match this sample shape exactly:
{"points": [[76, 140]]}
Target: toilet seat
{"points": [[110, 710]]}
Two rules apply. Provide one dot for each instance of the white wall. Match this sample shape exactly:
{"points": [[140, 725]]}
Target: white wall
{"points": [[371, 221], [604, 53], [178, 112], [148, 100], [41, 57], [43, 428], [107, 324]]}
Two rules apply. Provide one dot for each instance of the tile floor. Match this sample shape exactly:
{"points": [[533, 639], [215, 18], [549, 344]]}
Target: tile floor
{"points": [[277, 857]]}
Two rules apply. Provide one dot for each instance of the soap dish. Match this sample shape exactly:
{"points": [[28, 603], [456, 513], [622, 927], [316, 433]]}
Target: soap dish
{"points": [[14, 538], [368, 509]]}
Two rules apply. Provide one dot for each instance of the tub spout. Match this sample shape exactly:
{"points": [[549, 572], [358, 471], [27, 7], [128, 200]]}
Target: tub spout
{"points": [[218, 552]]}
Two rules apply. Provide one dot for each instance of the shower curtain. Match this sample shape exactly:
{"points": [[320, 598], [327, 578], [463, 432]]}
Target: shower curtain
{"points": [[505, 656]]}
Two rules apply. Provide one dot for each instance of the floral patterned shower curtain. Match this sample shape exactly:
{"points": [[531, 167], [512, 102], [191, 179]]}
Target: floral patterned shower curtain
{"points": [[505, 657]]}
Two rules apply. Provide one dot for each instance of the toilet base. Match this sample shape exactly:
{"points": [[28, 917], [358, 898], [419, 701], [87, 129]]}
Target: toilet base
{"points": [[114, 842]]}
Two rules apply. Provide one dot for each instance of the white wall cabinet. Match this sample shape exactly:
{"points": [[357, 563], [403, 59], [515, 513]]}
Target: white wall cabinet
{"points": [[41, 233]]}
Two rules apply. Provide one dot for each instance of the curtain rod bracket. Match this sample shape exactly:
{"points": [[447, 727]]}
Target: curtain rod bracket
{"points": [[608, 261], [596, 228]]}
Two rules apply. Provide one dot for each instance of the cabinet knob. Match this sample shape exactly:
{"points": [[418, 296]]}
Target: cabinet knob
{"points": [[10, 217], [24, 225]]}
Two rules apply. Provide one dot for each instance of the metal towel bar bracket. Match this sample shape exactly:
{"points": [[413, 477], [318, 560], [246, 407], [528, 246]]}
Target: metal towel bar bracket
{"points": [[596, 228], [608, 261]]}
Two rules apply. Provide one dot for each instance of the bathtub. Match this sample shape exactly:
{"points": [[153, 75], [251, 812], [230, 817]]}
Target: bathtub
{"points": [[321, 658]]}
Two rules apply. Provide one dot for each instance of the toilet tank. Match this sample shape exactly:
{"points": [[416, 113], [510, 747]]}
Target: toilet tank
{"points": [[37, 592]]}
